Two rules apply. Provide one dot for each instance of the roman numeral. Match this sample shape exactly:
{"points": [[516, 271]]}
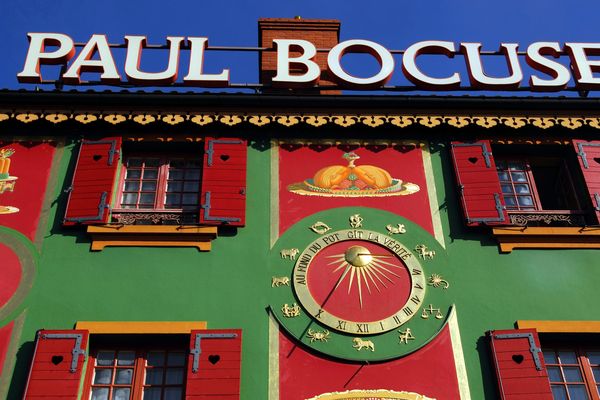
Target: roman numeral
{"points": [[416, 271], [364, 328], [397, 320], [319, 313], [408, 311], [341, 325], [381, 325], [418, 286], [415, 299]]}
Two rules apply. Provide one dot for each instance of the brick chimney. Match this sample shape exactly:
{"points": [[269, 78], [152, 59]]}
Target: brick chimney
{"points": [[323, 33]]}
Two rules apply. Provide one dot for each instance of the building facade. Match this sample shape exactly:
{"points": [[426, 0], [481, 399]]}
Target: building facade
{"points": [[298, 245]]}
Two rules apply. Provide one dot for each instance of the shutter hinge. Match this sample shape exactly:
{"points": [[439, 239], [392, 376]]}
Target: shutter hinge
{"points": [[535, 351], [211, 148], [197, 349], [208, 217], [112, 152], [101, 207], [77, 350], [582, 155]]}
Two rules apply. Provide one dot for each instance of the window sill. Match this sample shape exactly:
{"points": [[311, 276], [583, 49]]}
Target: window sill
{"points": [[515, 237], [152, 236]]}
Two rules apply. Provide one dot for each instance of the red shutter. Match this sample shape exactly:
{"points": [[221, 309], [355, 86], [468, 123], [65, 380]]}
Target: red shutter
{"points": [[214, 365], [589, 160], [520, 366], [478, 182], [224, 182], [57, 365], [93, 182]]}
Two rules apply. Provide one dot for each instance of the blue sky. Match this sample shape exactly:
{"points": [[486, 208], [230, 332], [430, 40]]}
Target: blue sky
{"points": [[394, 24]]}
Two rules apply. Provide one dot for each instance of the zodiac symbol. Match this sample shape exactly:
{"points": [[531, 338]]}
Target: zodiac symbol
{"points": [[320, 336], [356, 221], [424, 252], [436, 280], [430, 311], [320, 227], [278, 281], [359, 344], [406, 336], [289, 253], [395, 230], [290, 312]]}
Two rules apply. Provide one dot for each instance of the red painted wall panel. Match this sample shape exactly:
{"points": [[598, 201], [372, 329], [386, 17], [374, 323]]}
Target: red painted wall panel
{"points": [[298, 163], [304, 375], [10, 273], [30, 163], [5, 333]]}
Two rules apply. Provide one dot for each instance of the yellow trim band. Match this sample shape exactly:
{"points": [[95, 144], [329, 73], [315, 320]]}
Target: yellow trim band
{"points": [[146, 327], [560, 326]]}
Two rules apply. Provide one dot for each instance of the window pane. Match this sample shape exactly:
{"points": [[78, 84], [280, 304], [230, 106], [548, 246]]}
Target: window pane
{"points": [[174, 376], [503, 175], [126, 358], [525, 200], [149, 186], [190, 199], [176, 359], [507, 189], [594, 357], [134, 162], [578, 392], [121, 394], [572, 374], [147, 198], [124, 376], [554, 374], [150, 173], [191, 186], [516, 165], [152, 394], [132, 186], [174, 186], [156, 358], [177, 163], [175, 174], [510, 201], [102, 376], [105, 358], [559, 392], [133, 174], [99, 393], [130, 198], [596, 371], [192, 174], [154, 376], [173, 200], [522, 189], [567, 357], [550, 357], [173, 394], [518, 176]]}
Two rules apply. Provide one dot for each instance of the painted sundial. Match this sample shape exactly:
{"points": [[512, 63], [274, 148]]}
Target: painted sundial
{"points": [[359, 284]]}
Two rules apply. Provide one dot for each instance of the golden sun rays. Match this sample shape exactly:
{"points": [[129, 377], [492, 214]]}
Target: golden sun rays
{"points": [[368, 269]]}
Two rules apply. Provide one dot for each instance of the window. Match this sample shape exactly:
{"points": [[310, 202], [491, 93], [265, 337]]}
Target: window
{"points": [[123, 374], [574, 373]]}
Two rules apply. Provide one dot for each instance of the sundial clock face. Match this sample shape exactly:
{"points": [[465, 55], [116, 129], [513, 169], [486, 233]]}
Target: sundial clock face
{"points": [[364, 292]]}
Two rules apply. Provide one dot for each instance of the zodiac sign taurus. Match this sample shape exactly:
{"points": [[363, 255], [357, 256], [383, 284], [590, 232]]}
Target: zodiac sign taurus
{"points": [[278, 281], [289, 253]]}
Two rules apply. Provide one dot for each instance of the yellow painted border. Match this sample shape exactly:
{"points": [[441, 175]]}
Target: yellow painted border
{"points": [[273, 358], [274, 223], [432, 194], [560, 326], [459, 356], [145, 327]]}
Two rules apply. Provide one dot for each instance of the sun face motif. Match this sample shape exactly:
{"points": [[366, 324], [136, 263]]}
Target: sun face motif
{"points": [[368, 269]]}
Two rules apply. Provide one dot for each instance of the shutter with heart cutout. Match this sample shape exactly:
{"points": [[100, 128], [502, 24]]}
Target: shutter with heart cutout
{"points": [[57, 364], [93, 182], [480, 192], [223, 197], [588, 153], [214, 364], [519, 363]]}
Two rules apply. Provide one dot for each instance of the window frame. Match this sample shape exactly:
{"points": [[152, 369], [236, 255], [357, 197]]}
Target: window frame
{"points": [[533, 192], [161, 182], [583, 363]]}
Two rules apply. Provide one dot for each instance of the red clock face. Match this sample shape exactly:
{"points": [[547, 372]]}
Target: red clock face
{"points": [[357, 280]]}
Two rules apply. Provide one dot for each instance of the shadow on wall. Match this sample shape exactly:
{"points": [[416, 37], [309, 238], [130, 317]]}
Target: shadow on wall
{"points": [[18, 382], [490, 388]]}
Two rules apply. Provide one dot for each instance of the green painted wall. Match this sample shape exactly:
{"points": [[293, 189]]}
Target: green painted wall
{"points": [[228, 286]]}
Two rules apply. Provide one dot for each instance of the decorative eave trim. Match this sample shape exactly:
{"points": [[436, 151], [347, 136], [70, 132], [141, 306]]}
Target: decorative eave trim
{"points": [[315, 120], [560, 326], [515, 237]]}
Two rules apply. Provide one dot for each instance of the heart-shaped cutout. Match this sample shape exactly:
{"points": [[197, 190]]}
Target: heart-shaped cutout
{"points": [[473, 160], [518, 358], [597, 159], [57, 359], [97, 157], [224, 157], [214, 358]]}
